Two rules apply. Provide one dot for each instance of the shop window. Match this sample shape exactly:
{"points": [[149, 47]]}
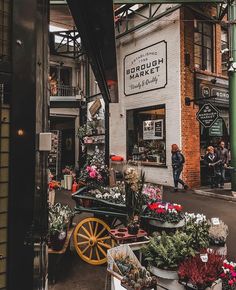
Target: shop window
{"points": [[224, 52], [146, 137], [203, 45]]}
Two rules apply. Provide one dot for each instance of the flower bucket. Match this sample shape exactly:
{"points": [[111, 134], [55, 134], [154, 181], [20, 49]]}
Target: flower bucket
{"points": [[69, 181], [166, 225], [57, 240], [65, 181], [165, 274]]}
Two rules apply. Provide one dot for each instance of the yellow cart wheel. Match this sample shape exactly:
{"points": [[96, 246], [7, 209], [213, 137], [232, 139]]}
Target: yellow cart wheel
{"points": [[92, 240]]}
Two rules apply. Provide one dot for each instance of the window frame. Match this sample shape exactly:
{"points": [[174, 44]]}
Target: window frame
{"points": [[203, 59], [143, 109]]}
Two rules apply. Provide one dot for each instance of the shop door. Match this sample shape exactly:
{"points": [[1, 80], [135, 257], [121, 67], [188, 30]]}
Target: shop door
{"points": [[68, 147]]}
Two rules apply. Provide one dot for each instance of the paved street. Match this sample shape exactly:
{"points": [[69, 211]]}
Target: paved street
{"points": [[77, 275]]}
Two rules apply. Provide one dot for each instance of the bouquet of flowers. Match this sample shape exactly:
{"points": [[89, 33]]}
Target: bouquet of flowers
{"points": [[165, 212], [95, 171], [67, 170], [152, 192], [228, 276]]}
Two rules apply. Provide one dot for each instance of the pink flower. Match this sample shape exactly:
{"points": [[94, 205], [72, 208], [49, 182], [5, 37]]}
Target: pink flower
{"points": [[88, 168], [231, 282], [92, 174], [233, 274]]}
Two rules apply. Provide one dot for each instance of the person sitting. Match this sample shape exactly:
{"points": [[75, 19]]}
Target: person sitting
{"points": [[212, 161]]}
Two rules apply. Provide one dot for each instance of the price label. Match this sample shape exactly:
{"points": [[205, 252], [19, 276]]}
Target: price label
{"points": [[215, 221], [204, 258]]}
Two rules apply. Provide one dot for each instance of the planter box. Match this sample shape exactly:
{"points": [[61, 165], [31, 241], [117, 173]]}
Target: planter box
{"points": [[165, 274], [166, 225], [215, 286]]}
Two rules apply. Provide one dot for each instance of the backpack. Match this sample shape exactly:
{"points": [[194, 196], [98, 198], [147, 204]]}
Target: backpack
{"points": [[183, 158]]}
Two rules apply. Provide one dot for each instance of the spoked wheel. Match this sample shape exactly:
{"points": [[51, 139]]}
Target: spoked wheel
{"points": [[92, 240]]}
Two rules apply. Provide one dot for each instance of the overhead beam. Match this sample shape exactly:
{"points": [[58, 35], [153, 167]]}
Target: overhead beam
{"points": [[58, 2], [166, 1]]}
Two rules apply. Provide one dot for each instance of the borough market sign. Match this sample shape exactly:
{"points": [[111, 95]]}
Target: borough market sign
{"points": [[146, 69]]}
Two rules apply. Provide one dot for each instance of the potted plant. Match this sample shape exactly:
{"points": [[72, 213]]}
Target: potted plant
{"points": [[197, 228], [165, 252], [201, 271], [218, 233], [228, 275], [164, 214], [135, 199], [60, 218], [135, 277]]}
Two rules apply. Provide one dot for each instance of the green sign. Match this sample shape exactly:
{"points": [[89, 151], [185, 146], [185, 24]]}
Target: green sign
{"points": [[216, 129], [165, 1]]}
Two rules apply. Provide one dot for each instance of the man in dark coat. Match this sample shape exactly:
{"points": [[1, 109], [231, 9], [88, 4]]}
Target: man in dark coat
{"points": [[223, 155], [212, 161]]}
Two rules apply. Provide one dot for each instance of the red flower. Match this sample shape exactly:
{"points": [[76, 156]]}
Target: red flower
{"points": [[231, 282], [161, 210], [153, 206], [178, 207]]}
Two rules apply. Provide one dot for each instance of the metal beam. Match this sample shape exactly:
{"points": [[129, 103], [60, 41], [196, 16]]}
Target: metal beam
{"points": [[165, 1], [58, 2]]}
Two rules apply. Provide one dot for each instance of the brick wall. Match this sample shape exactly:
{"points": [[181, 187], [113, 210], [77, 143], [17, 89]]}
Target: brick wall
{"points": [[190, 126]]}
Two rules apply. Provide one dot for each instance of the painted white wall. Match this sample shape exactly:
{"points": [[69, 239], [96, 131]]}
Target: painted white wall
{"points": [[168, 29]]}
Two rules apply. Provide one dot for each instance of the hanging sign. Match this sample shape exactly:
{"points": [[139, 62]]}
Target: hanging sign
{"points": [[146, 69], [207, 115]]}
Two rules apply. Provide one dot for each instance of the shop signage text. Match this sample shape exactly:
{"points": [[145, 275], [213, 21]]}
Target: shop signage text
{"points": [[146, 69], [205, 89], [207, 115], [216, 129]]}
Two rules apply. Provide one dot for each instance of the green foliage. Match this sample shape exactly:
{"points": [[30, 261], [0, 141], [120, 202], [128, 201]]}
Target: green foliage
{"points": [[168, 251]]}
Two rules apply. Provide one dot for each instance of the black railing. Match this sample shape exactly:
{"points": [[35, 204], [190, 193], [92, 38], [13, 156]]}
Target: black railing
{"points": [[63, 91]]}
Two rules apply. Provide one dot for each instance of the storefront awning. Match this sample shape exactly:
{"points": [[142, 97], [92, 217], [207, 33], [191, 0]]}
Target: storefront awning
{"points": [[95, 23]]}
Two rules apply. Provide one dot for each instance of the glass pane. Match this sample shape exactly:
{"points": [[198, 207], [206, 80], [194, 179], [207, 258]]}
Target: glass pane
{"points": [[198, 51], [207, 29], [207, 41], [199, 26], [224, 36], [197, 38]]}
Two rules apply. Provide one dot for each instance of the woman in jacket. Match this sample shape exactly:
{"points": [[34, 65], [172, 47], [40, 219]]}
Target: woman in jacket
{"points": [[212, 161], [177, 165]]}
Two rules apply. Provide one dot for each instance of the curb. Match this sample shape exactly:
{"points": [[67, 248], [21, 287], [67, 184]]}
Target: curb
{"points": [[215, 195]]}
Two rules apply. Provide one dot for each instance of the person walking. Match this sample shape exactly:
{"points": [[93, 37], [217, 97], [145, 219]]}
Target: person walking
{"points": [[223, 155], [212, 161], [177, 165]]}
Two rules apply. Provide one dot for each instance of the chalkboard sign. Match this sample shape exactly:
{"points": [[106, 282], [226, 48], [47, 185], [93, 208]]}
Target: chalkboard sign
{"points": [[216, 129]]}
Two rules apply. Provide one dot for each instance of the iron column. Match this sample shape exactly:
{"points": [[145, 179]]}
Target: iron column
{"points": [[232, 87]]}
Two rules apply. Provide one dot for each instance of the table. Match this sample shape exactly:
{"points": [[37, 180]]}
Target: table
{"points": [[56, 256]]}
